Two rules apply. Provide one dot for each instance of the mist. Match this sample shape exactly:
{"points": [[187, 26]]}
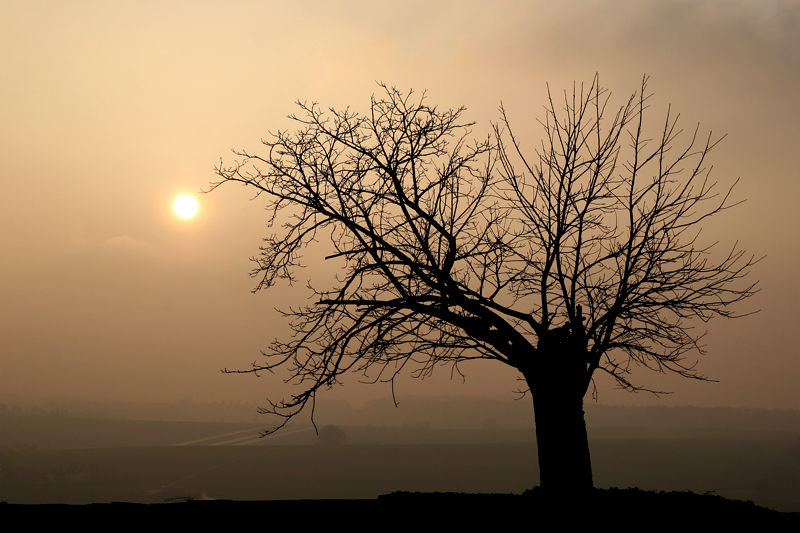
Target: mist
{"points": [[111, 111]]}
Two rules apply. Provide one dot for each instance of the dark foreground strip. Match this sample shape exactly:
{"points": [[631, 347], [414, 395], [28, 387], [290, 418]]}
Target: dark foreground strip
{"points": [[536, 509]]}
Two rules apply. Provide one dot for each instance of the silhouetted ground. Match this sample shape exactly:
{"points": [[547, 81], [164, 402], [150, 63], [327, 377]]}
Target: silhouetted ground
{"points": [[628, 508]]}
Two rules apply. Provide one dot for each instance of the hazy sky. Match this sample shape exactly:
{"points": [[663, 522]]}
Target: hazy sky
{"points": [[110, 110]]}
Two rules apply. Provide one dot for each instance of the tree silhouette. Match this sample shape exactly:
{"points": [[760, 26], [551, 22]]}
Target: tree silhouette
{"points": [[581, 257]]}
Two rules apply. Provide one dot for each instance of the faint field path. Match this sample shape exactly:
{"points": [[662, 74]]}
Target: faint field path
{"points": [[246, 437]]}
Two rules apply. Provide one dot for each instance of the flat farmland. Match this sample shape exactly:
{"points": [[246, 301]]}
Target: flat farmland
{"points": [[91, 461]]}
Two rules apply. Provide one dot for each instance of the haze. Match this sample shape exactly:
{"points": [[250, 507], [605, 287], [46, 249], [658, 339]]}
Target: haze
{"points": [[111, 111]]}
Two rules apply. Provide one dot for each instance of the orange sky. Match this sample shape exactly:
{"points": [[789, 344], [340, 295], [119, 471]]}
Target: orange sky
{"points": [[110, 110]]}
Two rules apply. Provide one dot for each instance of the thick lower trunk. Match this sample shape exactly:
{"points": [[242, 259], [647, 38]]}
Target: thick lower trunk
{"points": [[564, 461], [557, 378], [556, 385]]}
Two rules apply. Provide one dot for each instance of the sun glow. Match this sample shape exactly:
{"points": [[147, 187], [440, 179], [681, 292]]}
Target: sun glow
{"points": [[185, 206]]}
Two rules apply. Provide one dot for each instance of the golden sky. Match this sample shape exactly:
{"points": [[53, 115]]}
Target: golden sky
{"points": [[111, 110]]}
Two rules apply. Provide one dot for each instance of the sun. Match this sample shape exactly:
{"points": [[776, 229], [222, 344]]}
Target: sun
{"points": [[185, 206]]}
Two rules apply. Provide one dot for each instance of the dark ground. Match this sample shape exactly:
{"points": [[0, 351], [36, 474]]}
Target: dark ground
{"points": [[654, 511]]}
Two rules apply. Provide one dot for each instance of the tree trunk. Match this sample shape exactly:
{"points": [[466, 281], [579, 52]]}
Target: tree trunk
{"points": [[564, 461]]}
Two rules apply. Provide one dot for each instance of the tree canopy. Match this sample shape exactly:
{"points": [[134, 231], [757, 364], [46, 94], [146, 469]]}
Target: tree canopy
{"points": [[583, 255]]}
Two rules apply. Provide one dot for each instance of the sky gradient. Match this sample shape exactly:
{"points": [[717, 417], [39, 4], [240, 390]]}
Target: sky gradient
{"points": [[111, 110]]}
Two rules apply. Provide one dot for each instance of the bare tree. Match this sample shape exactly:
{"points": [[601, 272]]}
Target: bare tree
{"points": [[581, 257]]}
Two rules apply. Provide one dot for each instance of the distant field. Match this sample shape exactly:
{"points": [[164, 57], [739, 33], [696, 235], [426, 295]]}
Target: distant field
{"points": [[83, 461], [62, 432], [48, 432]]}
